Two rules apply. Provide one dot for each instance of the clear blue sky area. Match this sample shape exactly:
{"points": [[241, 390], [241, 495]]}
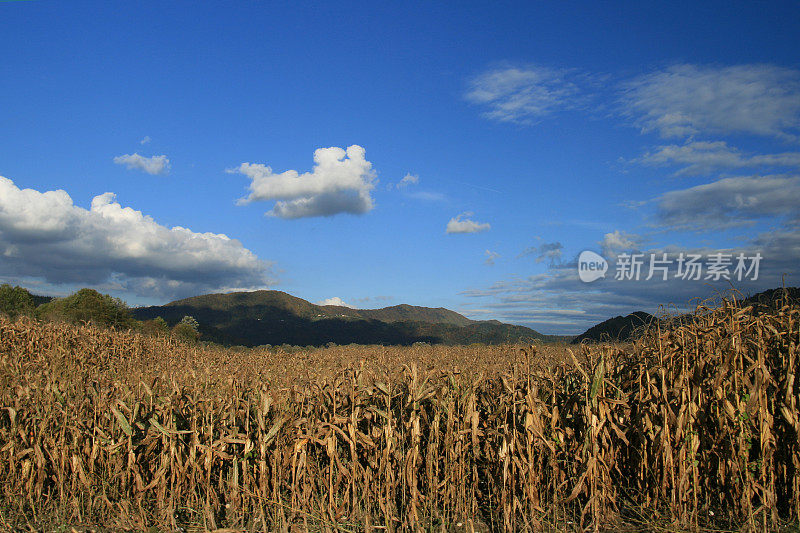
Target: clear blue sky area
{"points": [[455, 154]]}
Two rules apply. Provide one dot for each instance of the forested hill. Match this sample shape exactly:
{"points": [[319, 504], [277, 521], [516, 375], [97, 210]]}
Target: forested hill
{"points": [[275, 317], [624, 328]]}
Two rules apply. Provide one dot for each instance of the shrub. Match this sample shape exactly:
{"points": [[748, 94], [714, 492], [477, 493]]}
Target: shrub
{"points": [[187, 329], [15, 301]]}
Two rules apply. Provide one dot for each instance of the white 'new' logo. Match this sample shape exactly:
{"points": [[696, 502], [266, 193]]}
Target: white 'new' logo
{"points": [[591, 266]]}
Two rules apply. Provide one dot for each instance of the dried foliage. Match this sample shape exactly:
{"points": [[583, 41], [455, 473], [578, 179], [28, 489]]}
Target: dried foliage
{"points": [[695, 425]]}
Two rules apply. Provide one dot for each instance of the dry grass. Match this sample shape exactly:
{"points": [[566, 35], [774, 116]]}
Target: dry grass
{"points": [[693, 427]]}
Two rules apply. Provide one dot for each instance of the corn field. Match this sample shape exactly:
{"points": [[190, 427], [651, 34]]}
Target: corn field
{"points": [[695, 425]]}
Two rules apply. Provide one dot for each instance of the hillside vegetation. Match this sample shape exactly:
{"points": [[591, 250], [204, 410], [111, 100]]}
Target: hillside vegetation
{"points": [[273, 317], [617, 329], [695, 426], [303, 309]]}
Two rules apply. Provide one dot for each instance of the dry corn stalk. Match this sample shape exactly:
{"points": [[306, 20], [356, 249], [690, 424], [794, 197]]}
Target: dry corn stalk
{"points": [[696, 423]]}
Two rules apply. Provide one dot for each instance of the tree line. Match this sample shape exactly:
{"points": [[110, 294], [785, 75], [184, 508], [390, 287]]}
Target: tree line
{"points": [[89, 306]]}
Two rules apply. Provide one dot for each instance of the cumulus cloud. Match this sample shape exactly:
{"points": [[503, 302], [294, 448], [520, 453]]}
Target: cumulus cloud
{"points": [[491, 257], [340, 182], [408, 179], [45, 235], [461, 224], [145, 140], [522, 94], [730, 202], [157, 164], [685, 100], [334, 301], [700, 157], [619, 241]]}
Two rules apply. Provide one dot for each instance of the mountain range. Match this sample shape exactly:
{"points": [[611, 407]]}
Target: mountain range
{"points": [[275, 317]]}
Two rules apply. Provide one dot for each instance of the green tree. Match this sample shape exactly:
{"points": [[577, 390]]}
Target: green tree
{"points": [[15, 301], [187, 329], [88, 305], [156, 326]]}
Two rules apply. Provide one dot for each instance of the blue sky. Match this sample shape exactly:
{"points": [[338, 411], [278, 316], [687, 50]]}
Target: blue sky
{"points": [[529, 132]]}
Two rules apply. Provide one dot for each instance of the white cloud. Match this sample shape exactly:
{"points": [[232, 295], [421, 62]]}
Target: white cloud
{"points": [[408, 179], [459, 224], [522, 94], [730, 202], [146, 140], [45, 235], [700, 157], [334, 301], [685, 100], [491, 257], [157, 164], [340, 182], [619, 241]]}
